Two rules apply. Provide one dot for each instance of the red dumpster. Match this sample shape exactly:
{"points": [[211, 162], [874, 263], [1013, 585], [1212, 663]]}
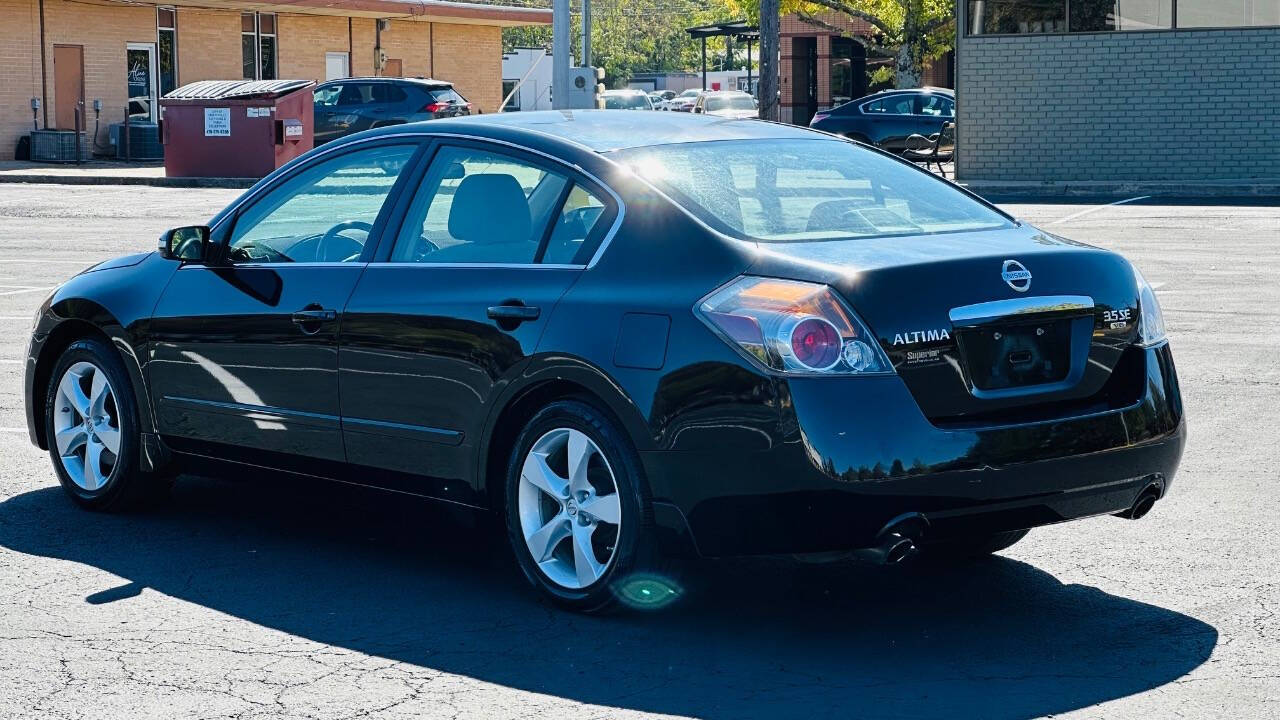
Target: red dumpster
{"points": [[235, 128]]}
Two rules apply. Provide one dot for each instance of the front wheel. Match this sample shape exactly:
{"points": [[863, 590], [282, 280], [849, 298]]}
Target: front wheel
{"points": [[575, 509], [91, 422]]}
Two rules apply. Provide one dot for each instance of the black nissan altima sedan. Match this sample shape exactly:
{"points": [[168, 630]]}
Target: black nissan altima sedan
{"points": [[631, 336]]}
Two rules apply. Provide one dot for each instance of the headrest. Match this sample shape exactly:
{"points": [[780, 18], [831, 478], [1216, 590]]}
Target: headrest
{"points": [[490, 208]]}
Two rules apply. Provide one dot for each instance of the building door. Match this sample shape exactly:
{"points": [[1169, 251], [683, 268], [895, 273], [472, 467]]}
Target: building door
{"points": [[140, 69], [336, 65], [804, 79], [68, 85], [848, 70]]}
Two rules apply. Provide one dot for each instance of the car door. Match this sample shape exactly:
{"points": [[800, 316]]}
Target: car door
{"points": [[245, 345], [931, 111], [489, 242], [325, 106], [892, 119]]}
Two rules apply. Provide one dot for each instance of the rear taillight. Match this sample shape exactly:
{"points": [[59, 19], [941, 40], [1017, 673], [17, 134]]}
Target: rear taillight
{"points": [[793, 327], [817, 118], [433, 107]]}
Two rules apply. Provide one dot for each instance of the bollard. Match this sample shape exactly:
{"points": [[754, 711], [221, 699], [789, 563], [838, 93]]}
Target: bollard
{"points": [[77, 133], [125, 131]]}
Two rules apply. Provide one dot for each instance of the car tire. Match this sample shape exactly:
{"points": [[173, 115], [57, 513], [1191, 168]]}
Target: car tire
{"points": [[559, 526], [970, 547], [97, 462]]}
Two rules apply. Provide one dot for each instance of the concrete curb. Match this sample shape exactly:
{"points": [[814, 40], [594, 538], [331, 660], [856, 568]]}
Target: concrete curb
{"points": [[175, 182], [1260, 188]]}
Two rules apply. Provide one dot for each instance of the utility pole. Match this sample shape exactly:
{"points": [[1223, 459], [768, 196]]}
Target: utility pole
{"points": [[586, 33], [561, 55], [769, 59]]}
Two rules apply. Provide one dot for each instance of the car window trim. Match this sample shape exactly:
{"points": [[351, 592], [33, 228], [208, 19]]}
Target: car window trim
{"points": [[225, 229], [573, 173]]}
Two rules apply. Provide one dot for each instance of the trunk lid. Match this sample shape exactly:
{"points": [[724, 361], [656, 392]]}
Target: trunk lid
{"points": [[986, 327]]}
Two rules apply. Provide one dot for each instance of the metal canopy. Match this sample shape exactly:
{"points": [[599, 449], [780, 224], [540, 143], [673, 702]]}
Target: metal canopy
{"points": [[738, 29], [731, 30], [238, 89]]}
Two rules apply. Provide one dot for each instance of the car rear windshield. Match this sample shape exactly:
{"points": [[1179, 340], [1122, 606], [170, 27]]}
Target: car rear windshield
{"points": [[730, 102], [626, 102], [446, 95], [806, 189]]}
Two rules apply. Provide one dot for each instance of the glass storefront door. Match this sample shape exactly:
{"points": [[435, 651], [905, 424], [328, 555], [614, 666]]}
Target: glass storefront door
{"points": [[140, 73]]}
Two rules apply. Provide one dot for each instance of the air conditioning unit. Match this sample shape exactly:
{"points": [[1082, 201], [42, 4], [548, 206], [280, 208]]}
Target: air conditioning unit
{"points": [[58, 146]]}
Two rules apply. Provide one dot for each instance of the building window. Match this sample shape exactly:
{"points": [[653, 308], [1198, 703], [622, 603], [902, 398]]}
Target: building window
{"points": [[1103, 15], [167, 47], [513, 105], [1012, 17], [1227, 13], [258, 45], [1007, 17]]}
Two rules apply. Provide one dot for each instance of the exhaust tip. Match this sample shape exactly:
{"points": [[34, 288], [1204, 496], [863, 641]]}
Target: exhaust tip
{"points": [[1143, 504]]}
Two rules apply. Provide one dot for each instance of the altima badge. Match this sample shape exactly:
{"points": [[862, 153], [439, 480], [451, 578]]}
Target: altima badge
{"points": [[1016, 275]]}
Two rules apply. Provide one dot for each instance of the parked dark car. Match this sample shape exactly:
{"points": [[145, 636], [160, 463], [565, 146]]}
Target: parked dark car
{"points": [[350, 105], [628, 336], [887, 119]]}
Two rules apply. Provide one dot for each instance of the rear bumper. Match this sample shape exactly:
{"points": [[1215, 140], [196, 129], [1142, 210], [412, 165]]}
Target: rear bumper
{"points": [[851, 455]]}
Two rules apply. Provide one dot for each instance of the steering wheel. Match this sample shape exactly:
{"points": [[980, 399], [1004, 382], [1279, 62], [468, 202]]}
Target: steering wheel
{"points": [[334, 234]]}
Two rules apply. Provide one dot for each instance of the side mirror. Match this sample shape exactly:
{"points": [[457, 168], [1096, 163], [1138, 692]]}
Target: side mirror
{"points": [[189, 244]]}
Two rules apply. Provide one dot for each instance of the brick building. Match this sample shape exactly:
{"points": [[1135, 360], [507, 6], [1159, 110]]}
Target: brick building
{"points": [[821, 68], [1104, 90], [69, 53]]}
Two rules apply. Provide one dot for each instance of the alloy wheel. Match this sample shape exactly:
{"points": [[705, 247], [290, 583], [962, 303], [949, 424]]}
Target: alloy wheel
{"points": [[570, 511], [86, 425]]}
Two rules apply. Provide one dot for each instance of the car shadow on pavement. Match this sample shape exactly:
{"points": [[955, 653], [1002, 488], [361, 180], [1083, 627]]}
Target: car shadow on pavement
{"points": [[405, 580]]}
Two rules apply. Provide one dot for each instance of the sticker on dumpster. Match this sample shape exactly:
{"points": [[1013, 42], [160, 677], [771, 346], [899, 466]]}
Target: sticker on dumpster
{"points": [[291, 130], [217, 122]]}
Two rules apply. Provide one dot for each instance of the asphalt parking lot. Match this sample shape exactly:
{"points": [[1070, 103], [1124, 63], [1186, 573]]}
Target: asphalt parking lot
{"points": [[296, 601]]}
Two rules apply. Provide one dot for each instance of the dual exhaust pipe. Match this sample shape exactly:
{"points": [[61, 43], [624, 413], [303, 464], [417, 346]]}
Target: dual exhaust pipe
{"points": [[898, 541]]}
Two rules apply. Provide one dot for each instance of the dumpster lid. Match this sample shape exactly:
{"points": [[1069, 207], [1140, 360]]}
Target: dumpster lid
{"points": [[241, 89]]}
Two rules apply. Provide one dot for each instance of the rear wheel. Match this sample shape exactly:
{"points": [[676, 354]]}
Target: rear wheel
{"points": [[91, 422], [575, 509], [970, 547]]}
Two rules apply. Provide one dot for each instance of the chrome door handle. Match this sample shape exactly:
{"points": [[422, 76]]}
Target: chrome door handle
{"points": [[311, 316], [516, 313]]}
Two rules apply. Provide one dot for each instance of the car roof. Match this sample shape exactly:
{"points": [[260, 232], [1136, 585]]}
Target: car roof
{"points": [[431, 82], [724, 92], [607, 130], [624, 91]]}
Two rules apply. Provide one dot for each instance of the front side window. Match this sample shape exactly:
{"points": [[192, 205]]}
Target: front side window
{"points": [[799, 190], [324, 213], [326, 96], [477, 206]]}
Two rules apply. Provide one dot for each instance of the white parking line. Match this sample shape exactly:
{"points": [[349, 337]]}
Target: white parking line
{"points": [[1073, 216], [24, 290]]}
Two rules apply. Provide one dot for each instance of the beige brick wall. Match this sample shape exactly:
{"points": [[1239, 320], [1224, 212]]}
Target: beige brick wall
{"points": [[410, 43], [470, 57], [304, 40], [208, 45], [19, 71], [103, 31]]}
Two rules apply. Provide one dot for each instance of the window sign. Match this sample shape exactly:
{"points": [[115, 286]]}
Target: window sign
{"points": [[217, 122]]}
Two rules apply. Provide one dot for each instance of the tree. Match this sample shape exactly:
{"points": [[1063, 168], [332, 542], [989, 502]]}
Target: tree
{"points": [[913, 32], [632, 36]]}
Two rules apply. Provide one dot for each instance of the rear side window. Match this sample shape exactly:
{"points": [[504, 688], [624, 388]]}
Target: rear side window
{"points": [[395, 94], [579, 224], [896, 105], [936, 106], [478, 206]]}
